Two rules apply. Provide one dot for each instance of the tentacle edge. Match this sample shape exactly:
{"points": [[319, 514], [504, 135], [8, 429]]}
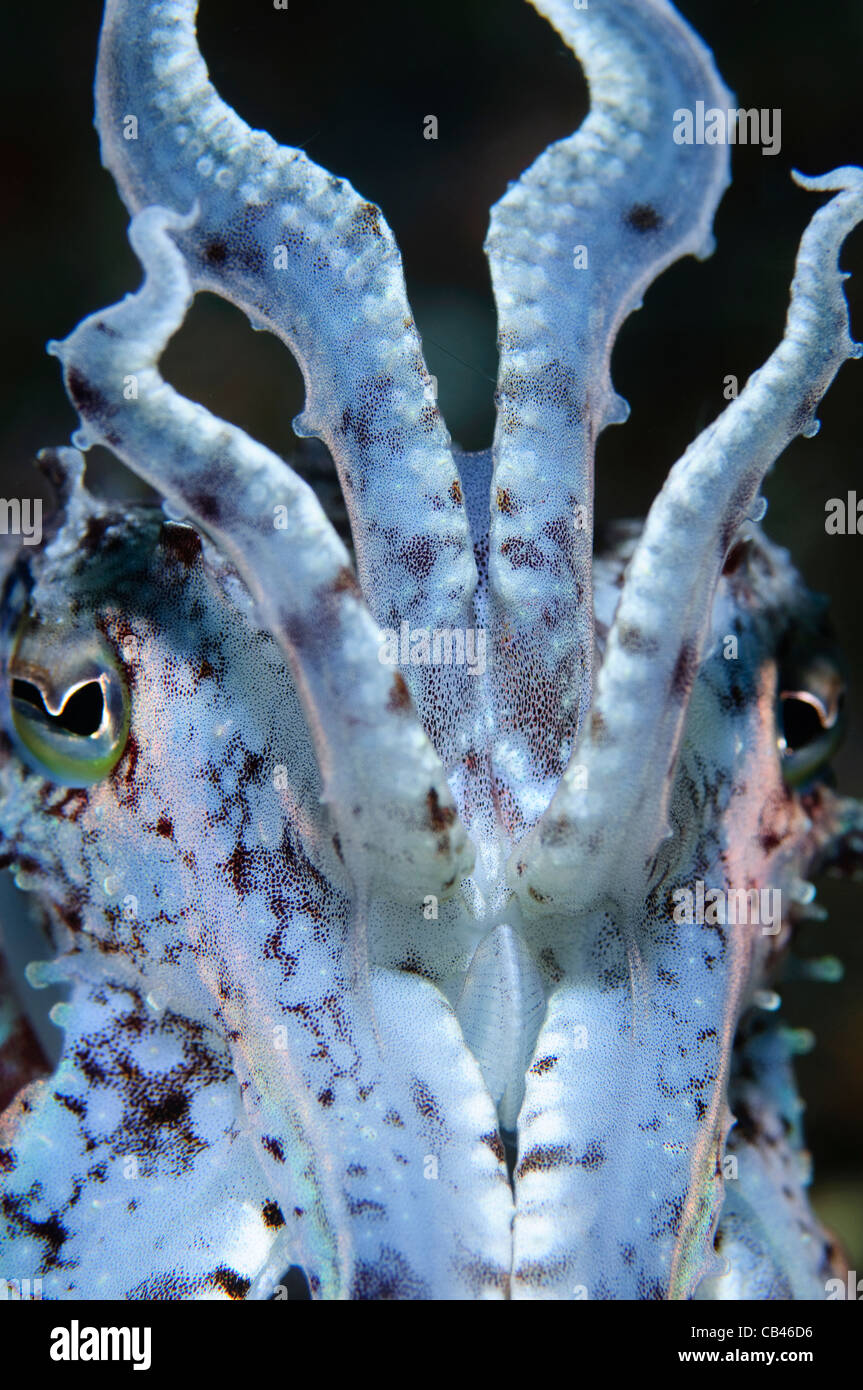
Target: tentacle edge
{"points": [[304, 255], [315, 612], [655, 644], [572, 246]]}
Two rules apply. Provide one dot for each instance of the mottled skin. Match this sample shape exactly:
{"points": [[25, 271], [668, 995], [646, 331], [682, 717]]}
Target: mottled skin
{"points": [[377, 972]]}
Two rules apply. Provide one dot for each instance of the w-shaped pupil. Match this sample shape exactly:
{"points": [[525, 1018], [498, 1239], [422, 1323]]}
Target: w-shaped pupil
{"points": [[801, 723], [82, 714]]}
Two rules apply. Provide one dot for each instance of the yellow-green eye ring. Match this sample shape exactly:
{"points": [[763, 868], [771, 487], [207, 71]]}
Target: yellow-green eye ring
{"points": [[70, 709]]}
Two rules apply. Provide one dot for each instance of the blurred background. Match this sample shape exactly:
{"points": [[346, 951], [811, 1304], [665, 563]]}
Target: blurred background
{"points": [[352, 85]]}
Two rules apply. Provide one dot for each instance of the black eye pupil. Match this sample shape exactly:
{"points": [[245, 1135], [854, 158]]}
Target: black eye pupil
{"points": [[801, 724], [82, 713]]}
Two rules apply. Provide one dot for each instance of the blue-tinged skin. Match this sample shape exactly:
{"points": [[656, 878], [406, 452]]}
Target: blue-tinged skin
{"points": [[375, 970]]}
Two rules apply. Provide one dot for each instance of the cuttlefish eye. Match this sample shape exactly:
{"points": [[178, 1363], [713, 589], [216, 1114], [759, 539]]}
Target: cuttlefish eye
{"points": [[811, 720], [69, 706]]}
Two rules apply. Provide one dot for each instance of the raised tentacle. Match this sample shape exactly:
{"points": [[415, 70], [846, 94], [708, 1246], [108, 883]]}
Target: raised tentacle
{"points": [[605, 817], [306, 257], [395, 822], [572, 247]]}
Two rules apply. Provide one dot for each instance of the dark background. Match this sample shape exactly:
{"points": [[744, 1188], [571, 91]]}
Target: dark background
{"points": [[351, 84]]}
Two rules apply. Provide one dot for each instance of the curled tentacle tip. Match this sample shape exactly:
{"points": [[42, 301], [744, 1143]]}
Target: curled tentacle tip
{"points": [[845, 179]]}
